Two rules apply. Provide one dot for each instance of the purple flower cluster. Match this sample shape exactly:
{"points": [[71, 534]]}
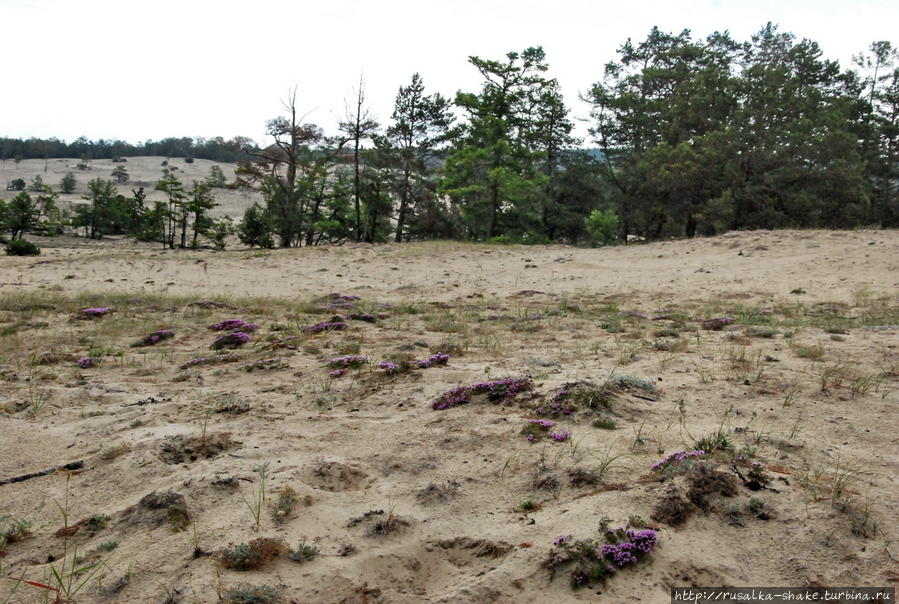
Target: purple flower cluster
{"points": [[233, 339], [631, 551], [94, 313], [234, 325], [432, 361], [326, 326], [389, 367], [496, 391], [561, 539], [215, 359], [336, 300], [560, 436], [155, 337], [364, 316], [557, 406], [337, 297], [353, 361], [543, 422], [555, 409], [674, 458], [717, 323], [86, 362], [336, 373]]}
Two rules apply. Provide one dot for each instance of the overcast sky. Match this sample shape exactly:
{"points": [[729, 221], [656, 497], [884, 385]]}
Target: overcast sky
{"points": [[148, 69]]}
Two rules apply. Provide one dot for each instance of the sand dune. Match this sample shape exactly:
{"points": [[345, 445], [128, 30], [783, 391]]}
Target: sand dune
{"points": [[782, 343]]}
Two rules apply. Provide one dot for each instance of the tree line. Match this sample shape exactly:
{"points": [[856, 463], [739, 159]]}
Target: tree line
{"points": [[215, 148], [692, 136]]}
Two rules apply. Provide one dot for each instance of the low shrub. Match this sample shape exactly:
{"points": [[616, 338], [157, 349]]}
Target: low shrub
{"points": [[22, 247]]}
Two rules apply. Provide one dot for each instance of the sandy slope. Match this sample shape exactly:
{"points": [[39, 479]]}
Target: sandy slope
{"points": [[366, 442]]}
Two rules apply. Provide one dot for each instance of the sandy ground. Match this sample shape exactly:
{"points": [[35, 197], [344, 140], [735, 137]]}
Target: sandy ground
{"points": [[803, 381], [142, 172]]}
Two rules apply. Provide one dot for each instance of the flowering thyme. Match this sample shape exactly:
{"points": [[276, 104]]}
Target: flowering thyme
{"points": [[365, 316], [326, 326], [560, 436], [94, 313], [389, 367], [675, 458], [154, 338], [232, 339], [496, 391], [596, 563], [350, 361]]}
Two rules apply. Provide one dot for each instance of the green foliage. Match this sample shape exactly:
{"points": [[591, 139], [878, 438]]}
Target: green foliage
{"points": [[68, 183], [505, 156], [22, 247], [216, 178], [252, 594], [120, 174], [12, 532], [602, 226], [200, 201], [420, 124], [253, 555], [105, 213], [679, 126], [220, 230], [21, 214], [255, 228]]}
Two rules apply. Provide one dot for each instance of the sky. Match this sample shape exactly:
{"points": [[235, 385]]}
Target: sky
{"points": [[149, 69]]}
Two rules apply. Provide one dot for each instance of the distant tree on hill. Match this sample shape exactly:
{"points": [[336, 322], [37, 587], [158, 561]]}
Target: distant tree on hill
{"points": [[176, 212], [21, 215], [99, 215], [199, 202], [68, 183], [120, 174], [216, 178]]}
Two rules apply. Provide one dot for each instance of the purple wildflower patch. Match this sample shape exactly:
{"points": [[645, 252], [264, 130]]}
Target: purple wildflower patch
{"points": [[336, 373], [434, 360], [558, 405], [596, 563], [87, 362], [327, 326], [234, 325], [561, 435], [536, 429], [350, 361], [389, 367], [155, 338], [675, 458], [234, 339], [94, 313], [717, 323], [496, 391], [364, 316]]}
